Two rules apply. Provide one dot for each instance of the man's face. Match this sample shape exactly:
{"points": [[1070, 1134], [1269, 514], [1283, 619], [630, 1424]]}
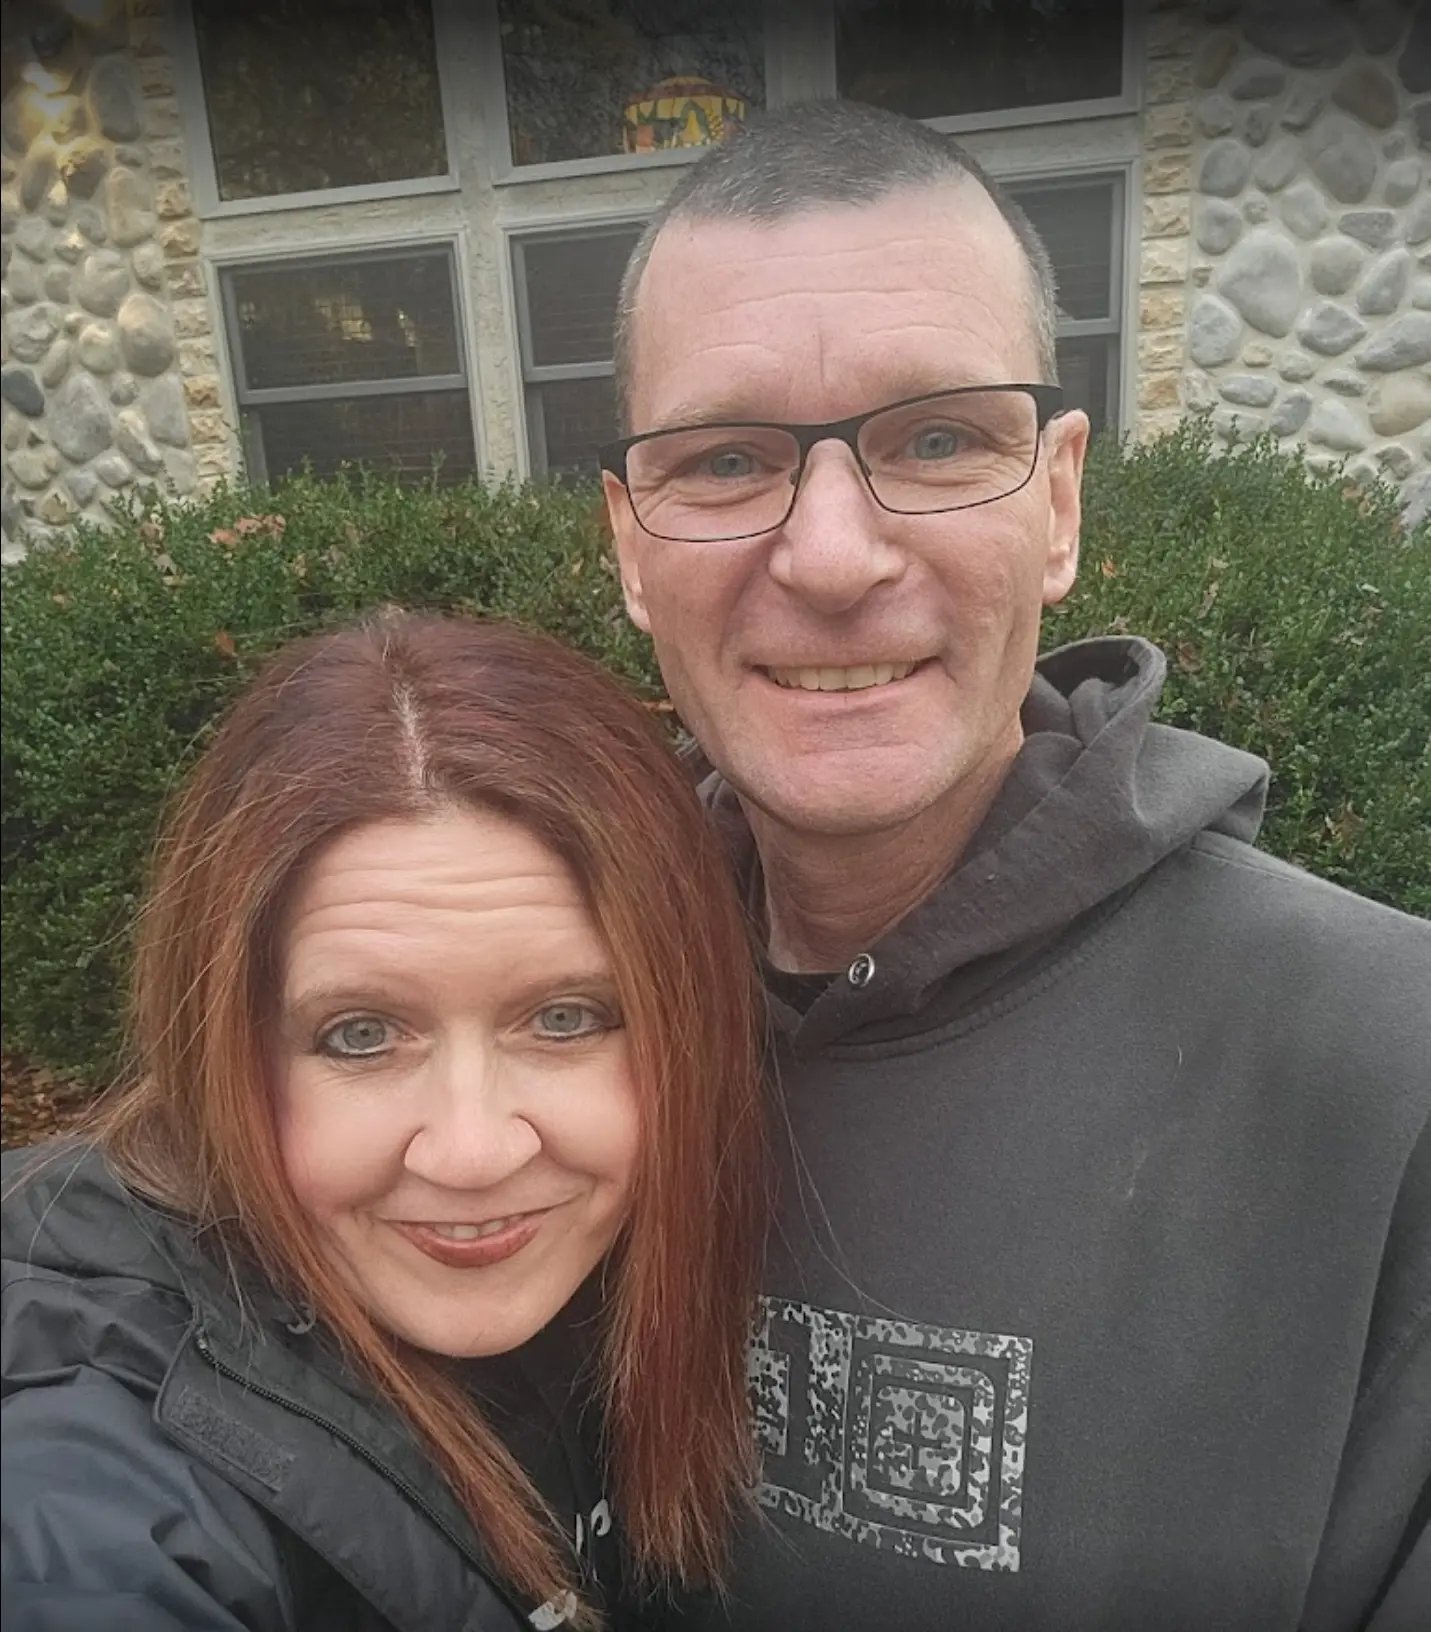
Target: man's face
{"points": [[823, 315]]}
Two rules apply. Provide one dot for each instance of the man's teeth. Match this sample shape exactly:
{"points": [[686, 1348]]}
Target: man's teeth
{"points": [[861, 679], [472, 1232]]}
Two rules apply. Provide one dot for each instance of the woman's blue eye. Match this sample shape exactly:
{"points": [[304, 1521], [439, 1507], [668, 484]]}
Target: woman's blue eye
{"points": [[357, 1038], [569, 1019]]}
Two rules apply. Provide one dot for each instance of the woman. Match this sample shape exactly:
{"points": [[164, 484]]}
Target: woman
{"points": [[415, 1266]]}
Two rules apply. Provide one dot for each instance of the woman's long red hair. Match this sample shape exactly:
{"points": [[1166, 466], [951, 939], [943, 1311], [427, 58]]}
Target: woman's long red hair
{"points": [[400, 718]]}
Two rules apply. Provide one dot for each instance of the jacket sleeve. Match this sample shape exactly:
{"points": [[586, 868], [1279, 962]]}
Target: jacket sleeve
{"points": [[1374, 1568], [111, 1528]]}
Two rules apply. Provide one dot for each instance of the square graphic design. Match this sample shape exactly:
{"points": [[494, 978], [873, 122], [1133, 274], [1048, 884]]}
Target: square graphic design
{"points": [[894, 1434]]}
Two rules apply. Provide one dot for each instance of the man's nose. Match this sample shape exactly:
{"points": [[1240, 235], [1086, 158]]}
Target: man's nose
{"points": [[473, 1129], [835, 545]]}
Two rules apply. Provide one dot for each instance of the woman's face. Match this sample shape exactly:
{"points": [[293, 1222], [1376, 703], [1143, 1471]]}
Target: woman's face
{"points": [[455, 1106]]}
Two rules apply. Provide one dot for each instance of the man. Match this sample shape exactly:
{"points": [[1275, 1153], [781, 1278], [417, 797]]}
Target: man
{"points": [[1100, 1291]]}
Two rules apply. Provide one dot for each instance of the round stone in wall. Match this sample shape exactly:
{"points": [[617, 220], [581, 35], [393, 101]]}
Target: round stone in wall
{"points": [[1416, 228], [129, 201], [1256, 79], [1421, 124], [132, 436], [1365, 91], [1329, 329], [1414, 63], [1257, 126], [55, 364], [58, 283], [1400, 404], [123, 389], [1248, 390], [1304, 33], [1343, 158], [79, 419], [102, 282], [1403, 343], [23, 284], [1225, 168], [1336, 424], [148, 263], [1384, 286], [112, 468], [1263, 280], [1380, 23], [1403, 177], [112, 99], [1334, 265], [1303, 105], [1218, 226], [1215, 116], [1214, 332], [164, 409], [19, 387], [1291, 413], [1395, 461], [1278, 164], [83, 484], [145, 335], [28, 468], [1345, 382], [1199, 392], [31, 332], [33, 238], [98, 348], [1374, 228], [1236, 424], [1303, 210]]}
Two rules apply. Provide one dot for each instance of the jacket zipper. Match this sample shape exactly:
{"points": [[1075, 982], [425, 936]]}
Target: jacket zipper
{"points": [[420, 1502]]}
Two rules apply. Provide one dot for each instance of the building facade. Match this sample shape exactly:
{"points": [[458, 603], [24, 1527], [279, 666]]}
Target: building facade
{"points": [[239, 238]]}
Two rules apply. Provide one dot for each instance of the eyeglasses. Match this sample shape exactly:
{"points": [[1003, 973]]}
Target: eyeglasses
{"points": [[950, 450]]}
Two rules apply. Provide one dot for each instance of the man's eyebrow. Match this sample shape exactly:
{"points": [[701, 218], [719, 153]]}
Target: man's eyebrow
{"points": [[735, 411]]}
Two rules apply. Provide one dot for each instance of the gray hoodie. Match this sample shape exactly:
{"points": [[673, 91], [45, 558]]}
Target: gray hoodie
{"points": [[1100, 1294]]}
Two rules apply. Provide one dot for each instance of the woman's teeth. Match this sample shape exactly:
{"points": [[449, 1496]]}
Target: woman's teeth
{"points": [[473, 1232], [860, 679]]}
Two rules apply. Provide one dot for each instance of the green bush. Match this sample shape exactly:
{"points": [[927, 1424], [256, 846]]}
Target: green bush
{"points": [[1296, 616], [1297, 621]]}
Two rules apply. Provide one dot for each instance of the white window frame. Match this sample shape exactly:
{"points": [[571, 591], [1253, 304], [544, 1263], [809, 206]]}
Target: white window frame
{"points": [[531, 377], [385, 247], [199, 150], [799, 64]]}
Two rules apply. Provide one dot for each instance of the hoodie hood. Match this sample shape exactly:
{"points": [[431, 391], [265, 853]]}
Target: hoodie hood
{"points": [[1096, 798]]}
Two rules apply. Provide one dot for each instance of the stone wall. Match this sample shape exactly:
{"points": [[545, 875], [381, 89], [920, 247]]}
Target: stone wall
{"points": [[109, 369], [1310, 297]]}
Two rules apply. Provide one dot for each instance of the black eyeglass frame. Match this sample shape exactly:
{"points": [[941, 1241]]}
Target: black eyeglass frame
{"points": [[1048, 405]]}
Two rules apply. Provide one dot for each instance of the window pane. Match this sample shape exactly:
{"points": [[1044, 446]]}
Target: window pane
{"points": [[572, 287], [576, 417], [590, 80], [318, 324], [1085, 368], [1076, 225], [933, 59], [303, 95], [392, 433]]}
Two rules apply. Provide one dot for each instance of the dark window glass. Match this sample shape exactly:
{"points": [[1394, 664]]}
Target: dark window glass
{"points": [[577, 416], [1076, 225], [383, 319], [303, 95], [572, 286], [1085, 368], [934, 59], [627, 76], [403, 434]]}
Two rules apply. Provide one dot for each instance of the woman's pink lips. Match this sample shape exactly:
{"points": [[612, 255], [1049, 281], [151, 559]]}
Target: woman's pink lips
{"points": [[487, 1249]]}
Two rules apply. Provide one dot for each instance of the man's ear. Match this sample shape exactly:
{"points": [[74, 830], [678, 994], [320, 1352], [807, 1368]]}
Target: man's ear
{"points": [[628, 537], [1066, 443]]}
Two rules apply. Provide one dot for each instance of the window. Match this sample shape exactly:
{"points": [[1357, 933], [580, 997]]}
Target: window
{"points": [[567, 289], [353, 359], [939, 59], [1081, 224], [627, 76], [303, 96]]}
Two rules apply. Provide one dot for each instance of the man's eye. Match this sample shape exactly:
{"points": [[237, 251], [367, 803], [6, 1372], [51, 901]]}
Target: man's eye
{"points": [[937, 442], [359, 1037], [729, 464], [569, 1019]]}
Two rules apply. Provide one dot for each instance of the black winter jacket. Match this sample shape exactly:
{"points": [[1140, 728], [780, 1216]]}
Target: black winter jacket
{"points": [[176, 1459]]}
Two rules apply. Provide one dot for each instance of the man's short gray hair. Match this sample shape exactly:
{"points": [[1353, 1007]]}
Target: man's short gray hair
{"points": [[817, 153]]}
